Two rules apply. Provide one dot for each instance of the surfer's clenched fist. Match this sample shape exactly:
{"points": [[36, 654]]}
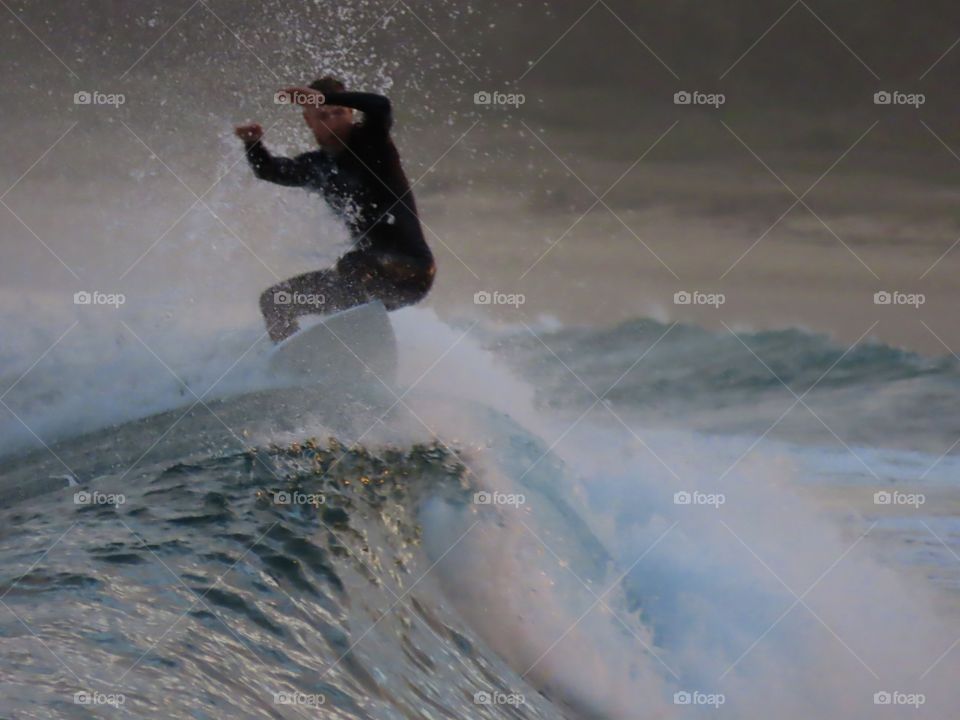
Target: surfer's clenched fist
{"points": [[251, 132]]}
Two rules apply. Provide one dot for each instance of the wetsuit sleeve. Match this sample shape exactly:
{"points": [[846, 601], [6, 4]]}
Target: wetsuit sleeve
{"points": [[376, 109], [293, 172]]}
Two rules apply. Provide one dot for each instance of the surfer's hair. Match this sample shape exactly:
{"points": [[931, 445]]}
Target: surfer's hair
{"points": [[328, 84]]}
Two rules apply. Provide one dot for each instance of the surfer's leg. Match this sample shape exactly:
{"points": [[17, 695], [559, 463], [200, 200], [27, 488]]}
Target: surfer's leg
{"points": [[359, 276], [398, 280], [385, 271], [319, 292]]}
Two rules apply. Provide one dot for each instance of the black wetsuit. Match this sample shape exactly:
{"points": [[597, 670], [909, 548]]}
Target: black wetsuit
{"points": [[365, 184]]}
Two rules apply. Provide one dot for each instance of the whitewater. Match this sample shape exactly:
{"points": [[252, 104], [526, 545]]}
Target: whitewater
{"points": [[641, 510], [534, 521]]}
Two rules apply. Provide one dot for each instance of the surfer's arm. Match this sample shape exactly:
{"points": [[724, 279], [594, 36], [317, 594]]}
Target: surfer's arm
{"points": [[377, 110], [292, 172]]}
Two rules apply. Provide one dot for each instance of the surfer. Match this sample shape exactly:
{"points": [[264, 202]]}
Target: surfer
{"points": [[357, 170]]}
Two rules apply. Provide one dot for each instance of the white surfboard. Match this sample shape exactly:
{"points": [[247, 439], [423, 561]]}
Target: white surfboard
{"points": [[345, 347]]}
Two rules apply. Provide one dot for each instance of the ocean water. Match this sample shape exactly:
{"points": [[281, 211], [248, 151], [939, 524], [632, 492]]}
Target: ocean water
{"points": [[745, 515], [536, 521]]}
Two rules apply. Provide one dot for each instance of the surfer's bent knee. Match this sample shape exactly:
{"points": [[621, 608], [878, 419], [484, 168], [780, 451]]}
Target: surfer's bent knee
{"points": [[275, 301], [266, 300]]}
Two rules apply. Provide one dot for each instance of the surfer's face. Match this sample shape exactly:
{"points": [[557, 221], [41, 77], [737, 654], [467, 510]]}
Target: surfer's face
{"points": [[330, 124]]}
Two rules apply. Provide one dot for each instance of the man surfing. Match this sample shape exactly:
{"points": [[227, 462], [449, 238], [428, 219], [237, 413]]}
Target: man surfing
{"points": [[358, 171]]}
